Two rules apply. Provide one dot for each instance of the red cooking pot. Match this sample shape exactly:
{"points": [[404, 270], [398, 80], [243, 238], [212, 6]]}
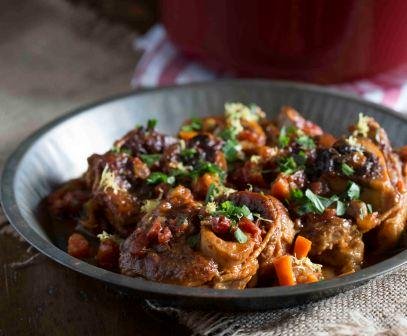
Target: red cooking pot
{"points": [[322, 41]]}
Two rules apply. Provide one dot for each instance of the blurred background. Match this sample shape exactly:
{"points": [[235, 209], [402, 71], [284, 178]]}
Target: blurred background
{"points": [[60, 54]]}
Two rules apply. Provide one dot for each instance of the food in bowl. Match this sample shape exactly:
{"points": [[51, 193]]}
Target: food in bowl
{"points": [[238, 201]]}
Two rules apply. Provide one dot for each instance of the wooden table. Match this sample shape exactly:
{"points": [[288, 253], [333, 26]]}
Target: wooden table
{"points": [[56, 58]]}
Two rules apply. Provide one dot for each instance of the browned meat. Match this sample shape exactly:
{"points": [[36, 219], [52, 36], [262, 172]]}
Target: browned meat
{"points": [[78, 246], [176, 265], [68, 200], [290, 117], [336, 242], [144, 141]]}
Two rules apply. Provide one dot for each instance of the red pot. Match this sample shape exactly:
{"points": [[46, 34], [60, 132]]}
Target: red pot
{"points": [[314, 40]]}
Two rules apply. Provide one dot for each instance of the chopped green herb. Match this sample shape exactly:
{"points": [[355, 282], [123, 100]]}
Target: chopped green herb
{"points": [[151, 123], [319, 203], [194, 125], [306, 142], [287, 165], [340, 208], [150, 159], [353, 191], [369, 208], [231, 149], [158, 177], [346, 169], [207, 167], [188, 153], [296, 194], [234, 212], [240, 236], [212, 193], [300, 158], [283, 138]]}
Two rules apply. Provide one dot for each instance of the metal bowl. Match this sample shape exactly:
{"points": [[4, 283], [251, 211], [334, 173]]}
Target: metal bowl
{"points": [[58, 152]]}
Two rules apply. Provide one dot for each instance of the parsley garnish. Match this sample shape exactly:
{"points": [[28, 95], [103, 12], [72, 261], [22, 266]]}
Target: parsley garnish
{"points": [[346, 169], [151, 123], [194, 125], [230, 149], [150, 159], [188, 153], [240, 236], [234, 212], [353, 191], [369, 208], [290, 164], [212, 192], [340, 208], [296, 194], [208, 167], [283, 138], [158, 177], [306, 142]]}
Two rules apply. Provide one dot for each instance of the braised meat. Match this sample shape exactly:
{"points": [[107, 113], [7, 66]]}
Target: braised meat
{"points": [[238, 200]]}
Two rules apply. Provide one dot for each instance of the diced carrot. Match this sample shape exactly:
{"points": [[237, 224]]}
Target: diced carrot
{"points": [[280, 188], [302, 246], [311, 278], [284, 270], [186, 135], [326, 140]]}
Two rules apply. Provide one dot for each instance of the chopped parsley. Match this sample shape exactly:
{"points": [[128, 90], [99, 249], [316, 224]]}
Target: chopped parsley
{"points": [[188, 153], [369, 208], [340, 208], [346, 169], [353, 191], [158, 177], [290, 164], [306, 142], [296, 194], [240, 236], [231, 149], [283, 138], [207, 167], [194, 125], [212, 193], [150, 159], [151, 124]]}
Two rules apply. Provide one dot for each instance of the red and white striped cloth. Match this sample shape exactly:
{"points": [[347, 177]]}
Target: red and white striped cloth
{"points": [[162, 64]]}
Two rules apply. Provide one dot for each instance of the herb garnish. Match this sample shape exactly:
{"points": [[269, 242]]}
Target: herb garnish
{"points": [[306, 142], [158, 177], [346, 169], [151, 123], [150, 159], [194, 125], [353, 191], [188, 153]]}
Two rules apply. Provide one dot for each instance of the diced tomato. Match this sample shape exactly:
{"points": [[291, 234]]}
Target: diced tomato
{"points": [[248, 226], [78, 246], [220, 225]]}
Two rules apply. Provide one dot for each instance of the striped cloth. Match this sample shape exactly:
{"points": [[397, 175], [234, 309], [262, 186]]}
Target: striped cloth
{"points": [[162, 64]]}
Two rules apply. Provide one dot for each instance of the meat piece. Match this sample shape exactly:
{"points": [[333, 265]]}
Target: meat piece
{"points": [[178, 265], [290, 117], [225, 253], [336, 242], [252, 136], [78, 246], [68, 200], [108, 254], [208, 148], [392, 226], [145, 141], [278, 237]]}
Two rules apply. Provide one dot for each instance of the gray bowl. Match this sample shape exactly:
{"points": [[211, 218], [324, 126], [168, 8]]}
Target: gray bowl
{"points": [[58, 152]]}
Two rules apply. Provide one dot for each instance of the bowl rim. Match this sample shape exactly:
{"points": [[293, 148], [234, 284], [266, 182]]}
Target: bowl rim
{"points": [[12, 212]]}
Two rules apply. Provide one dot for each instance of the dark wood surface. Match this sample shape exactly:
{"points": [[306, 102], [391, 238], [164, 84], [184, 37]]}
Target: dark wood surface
{"points": [[41, 297], [55, 58]]}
